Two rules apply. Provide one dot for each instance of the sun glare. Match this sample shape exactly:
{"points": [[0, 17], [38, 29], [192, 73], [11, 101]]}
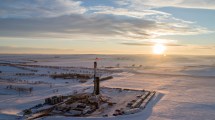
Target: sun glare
{"points": [[159, 48]]}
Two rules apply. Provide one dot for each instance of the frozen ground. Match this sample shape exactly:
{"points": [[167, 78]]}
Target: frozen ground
{"points": [[185, 84]]}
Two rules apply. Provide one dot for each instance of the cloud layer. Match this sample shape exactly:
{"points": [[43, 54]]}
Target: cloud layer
{"points": [[127, 20], [101, 27]]}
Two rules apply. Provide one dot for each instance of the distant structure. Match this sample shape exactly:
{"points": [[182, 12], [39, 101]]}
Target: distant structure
{"points": [[96, 81], [54, 100]]}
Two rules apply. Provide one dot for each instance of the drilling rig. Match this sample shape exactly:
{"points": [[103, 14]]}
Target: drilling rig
{"points": [[96, 81]]}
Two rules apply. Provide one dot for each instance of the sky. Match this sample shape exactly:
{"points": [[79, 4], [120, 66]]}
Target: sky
{"points": [[184, 27]]}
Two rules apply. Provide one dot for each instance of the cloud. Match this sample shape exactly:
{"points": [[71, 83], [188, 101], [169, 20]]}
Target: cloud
{"points": [[140, 4], [209, 47], [150, 44], [39, 8], [28, 50], [124, 11], [94, 27], [73, 27]]}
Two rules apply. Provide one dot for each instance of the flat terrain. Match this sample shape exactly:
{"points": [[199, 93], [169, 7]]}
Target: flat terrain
{"points": [[184, 84]]}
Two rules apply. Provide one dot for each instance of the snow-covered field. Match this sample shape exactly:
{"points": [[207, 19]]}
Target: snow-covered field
{"points": [[184, 84]]}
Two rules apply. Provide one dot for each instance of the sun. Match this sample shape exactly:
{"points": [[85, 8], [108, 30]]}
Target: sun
{"points": [[159, 48]]}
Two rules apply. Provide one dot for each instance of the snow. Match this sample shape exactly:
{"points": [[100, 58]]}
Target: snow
{"points": [[184, 84]]}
